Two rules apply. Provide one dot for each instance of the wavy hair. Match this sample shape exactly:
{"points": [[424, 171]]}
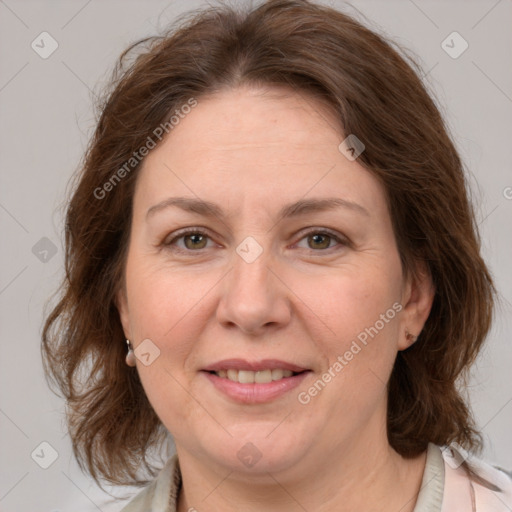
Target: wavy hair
{"points": [[376, 92]]}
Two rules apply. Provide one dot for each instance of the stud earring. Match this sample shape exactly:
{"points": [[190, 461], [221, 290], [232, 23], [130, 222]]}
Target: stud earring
{"points": [[410, 337], [130, 356]]}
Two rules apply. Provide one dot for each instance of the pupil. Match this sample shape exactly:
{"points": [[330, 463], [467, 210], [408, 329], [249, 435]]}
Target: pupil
{"points": [[195, 240], [317, 239]]}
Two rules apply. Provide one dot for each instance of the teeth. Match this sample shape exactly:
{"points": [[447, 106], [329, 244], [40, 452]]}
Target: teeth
{"points": [[278, 374], [245, 377], [249, 377], [263, 376]]}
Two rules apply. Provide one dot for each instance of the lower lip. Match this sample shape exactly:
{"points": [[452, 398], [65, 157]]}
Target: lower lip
{"points": [[256, 393]]}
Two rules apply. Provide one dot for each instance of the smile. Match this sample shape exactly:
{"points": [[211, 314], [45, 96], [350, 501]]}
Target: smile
{"points": [[254, 382], [250, 377]]}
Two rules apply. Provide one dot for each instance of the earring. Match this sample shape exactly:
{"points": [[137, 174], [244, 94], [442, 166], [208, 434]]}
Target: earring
{"points": [[130, 356], [410, 337]]}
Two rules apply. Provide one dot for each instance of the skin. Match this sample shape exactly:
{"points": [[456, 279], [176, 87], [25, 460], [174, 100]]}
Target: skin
{"points": [[303, 300]]}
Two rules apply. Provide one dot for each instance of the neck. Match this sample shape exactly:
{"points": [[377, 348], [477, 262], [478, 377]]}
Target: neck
{"points": [[373, 479]]}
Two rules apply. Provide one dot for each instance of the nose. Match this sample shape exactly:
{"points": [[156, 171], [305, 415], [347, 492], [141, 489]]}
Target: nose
{"points": [[254, 299]]}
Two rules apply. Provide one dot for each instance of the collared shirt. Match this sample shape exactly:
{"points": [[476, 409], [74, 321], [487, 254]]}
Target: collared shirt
{"points": [[445, 486]]}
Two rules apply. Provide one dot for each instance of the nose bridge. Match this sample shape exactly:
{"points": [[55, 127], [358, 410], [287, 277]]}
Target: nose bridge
{"points": [[252, 297]]}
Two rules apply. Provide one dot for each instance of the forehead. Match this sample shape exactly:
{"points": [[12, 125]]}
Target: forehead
{"points": [[270, 115], [257, 144]]}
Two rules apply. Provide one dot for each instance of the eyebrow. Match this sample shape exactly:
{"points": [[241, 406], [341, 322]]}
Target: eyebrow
{"points": [[301, 207]]}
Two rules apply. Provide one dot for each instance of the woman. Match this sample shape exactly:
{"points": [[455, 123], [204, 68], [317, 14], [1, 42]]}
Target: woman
{"points": [[272, 217]]}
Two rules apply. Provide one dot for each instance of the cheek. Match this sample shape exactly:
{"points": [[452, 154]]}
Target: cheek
{"points": [[165, 307], [350, 301], [162, 300], [360, 306], [362, 311]]}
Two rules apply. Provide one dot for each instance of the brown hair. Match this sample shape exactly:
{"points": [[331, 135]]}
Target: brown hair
{"points": [[378, 96]]}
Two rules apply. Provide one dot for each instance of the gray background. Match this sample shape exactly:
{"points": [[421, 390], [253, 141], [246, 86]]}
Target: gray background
{"points": [[46, 120]]}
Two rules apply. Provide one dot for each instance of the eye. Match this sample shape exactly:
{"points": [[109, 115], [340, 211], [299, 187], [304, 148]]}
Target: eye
{"points": [[319, 240], [193, 240]]}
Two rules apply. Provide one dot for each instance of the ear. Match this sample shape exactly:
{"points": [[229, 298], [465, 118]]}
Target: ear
{"points": [[417, 298], [121, 302]]}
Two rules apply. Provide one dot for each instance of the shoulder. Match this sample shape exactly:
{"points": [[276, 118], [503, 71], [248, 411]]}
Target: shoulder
{"points": [[160, 494], [489, 490]]}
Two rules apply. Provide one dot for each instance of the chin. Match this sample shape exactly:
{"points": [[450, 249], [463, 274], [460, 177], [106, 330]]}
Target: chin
{"points": [[257, 454]]}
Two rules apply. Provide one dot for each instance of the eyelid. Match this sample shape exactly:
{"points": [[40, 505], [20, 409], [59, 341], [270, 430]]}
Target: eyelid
{"points": [[180, 233], [341, 239]]}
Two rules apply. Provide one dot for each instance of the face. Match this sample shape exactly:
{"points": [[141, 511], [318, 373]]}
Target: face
{"points": [[225, 293]]}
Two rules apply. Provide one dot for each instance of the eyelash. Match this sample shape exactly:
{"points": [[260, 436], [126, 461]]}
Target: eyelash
{"points": [[198, 231]]}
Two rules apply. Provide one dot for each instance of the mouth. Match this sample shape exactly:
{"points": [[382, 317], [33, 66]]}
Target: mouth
{"points": [[256, 381], [259, 377]]}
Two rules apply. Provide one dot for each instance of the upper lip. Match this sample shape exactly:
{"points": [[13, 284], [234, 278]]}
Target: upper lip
{"points": [[255, 366]]}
